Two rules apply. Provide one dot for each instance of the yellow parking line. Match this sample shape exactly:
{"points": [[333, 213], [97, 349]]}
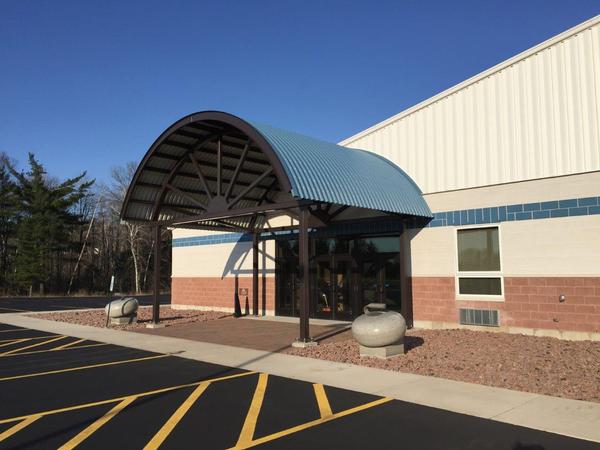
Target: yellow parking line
{"points": [[60, 347], [14, 329], [170, 424], [15, 350], [247, 432], [97, 424], [30, 338], [18, 427], [73, 369], [118, 399], [13, 341], [52, 350], [313, 423], [322, 401]]}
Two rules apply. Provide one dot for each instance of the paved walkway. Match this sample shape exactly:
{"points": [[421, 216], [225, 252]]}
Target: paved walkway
{"points": [[259, 334], [567, 417]]}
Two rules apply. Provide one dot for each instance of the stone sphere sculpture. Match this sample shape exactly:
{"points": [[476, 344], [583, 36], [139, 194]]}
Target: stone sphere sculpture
{"points": [[124, 307], [378, 327]]}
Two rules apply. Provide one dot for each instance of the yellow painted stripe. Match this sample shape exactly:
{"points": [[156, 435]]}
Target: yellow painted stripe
{"points": [[15, 350], [97, 424], [247, 432], [14, 329], [60, 347], [118, 399], [18, 427], [14, 341], [52, 350], [73, 369], [30, 338], [170, 424], [313, 423], [322, 401]]}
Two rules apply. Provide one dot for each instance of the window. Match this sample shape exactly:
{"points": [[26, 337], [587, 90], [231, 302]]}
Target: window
{"points": [[479, 272]]}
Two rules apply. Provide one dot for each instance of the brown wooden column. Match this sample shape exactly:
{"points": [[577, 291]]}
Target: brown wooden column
{"points": [[157, 255], [255, 273], [303, 256], [405, 277]]}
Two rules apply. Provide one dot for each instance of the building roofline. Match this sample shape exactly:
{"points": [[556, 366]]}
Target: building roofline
{"points": [[476, 78]]}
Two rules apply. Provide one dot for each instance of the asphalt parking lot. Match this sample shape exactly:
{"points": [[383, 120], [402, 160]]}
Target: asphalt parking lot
{"points": [[34, 304], [63, 392]]}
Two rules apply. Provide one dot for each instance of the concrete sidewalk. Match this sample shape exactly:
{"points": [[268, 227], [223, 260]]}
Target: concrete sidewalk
{"points": [[557, 415]]}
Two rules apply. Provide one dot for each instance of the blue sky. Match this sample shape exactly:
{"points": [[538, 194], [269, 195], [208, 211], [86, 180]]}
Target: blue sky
{"points": [[89, 85]]}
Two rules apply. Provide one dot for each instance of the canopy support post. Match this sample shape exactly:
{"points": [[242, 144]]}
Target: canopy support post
{"points": [[255, 273], [303, 254]]}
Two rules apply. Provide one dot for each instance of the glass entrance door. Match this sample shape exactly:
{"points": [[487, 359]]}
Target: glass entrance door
{"points": [[287, 285], [391, 282], [323, 288], [370, 272], [333, 287], [342, 278], [380, 281]]}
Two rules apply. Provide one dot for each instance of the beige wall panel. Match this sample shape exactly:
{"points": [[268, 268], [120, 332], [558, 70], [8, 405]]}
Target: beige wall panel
{"points": [[281, 221], [556, 188], [568, 246], [533, 116], [551, 247], [185, 232], [221, 260], [432, 252]]}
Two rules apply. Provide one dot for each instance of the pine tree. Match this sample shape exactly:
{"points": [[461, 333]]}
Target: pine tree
{"points": [[8, 205], [45, 221]]}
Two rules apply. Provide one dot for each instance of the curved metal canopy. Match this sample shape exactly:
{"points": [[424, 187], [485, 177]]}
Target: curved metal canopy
{"points": [[217, 169]]}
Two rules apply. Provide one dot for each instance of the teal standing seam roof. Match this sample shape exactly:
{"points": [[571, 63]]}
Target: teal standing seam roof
{"points": [[323, 171]]}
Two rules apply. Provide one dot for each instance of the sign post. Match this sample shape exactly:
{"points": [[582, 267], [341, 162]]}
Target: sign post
{"points": [[110, 292]]}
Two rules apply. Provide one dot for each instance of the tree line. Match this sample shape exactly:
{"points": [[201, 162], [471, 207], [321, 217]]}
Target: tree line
{"points": [[62, 237]]}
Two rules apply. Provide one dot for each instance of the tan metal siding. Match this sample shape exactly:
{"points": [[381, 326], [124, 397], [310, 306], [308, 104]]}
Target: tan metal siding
{"points": [[535, 116]]}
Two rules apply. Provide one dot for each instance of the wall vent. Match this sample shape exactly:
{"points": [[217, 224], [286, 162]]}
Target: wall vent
{"points": [[483, 317]]}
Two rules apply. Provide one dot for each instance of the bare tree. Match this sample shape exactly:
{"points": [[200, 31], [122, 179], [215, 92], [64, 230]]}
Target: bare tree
{"points": [[136, 235]]}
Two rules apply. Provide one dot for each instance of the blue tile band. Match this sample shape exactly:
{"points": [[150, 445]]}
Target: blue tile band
{"points": [[527, 211], [361, 227]]}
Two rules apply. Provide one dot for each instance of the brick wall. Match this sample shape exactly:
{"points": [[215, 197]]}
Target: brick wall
{"points": [[529, 302], [218, 292]]}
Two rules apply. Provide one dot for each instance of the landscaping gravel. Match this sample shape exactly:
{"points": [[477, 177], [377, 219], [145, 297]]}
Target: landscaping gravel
{"points": [[168, 317], [526, 363]]}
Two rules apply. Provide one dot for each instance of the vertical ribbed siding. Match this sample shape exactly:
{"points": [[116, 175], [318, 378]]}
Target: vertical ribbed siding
{"points": [[538, 117]]}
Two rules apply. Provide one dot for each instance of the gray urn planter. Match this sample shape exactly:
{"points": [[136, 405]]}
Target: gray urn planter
{"points": [[124, 307], [379, 328]]}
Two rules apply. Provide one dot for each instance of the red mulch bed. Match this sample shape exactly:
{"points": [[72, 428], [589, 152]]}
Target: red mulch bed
{"points": [[97, 317], [542, 365]]}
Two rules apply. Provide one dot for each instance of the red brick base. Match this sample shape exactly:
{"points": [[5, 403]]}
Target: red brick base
{"points": [[529, 302], [219, 292]]}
